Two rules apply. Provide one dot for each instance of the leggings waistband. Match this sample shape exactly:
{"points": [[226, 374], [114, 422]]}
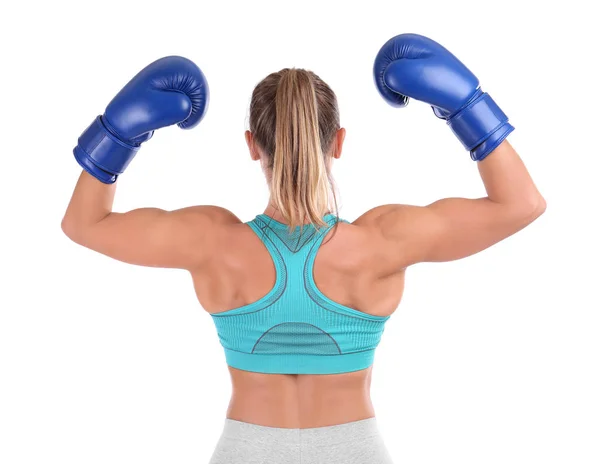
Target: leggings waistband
{"points": [[340, 433], [355, 442]]}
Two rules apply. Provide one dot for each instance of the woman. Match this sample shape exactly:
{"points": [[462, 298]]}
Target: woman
{"points": [[299, 296]]}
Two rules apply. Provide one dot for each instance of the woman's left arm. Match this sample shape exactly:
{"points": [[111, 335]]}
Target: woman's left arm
{"points": [[148, 236]]}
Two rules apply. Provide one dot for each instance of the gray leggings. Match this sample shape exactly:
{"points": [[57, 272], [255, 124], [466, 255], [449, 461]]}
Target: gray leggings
{"points": [[356, 442]]}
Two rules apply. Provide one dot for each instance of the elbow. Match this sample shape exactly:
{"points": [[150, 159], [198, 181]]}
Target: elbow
{"points": [[80, 230], [72, 230], [541, 206], [538, 207], [530, 209], [67, 227]]}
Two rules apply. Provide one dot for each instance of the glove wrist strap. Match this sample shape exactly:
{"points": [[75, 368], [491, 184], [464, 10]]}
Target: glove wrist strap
{"points": [[479, 121], [101, 153]]}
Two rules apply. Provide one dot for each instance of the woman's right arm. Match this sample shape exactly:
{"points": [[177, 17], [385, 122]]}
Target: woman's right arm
{"points": [[414, 66], [454, 228]]}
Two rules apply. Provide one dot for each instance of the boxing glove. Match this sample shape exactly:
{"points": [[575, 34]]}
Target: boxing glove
{"points": [[171, 90], [413, 66]]}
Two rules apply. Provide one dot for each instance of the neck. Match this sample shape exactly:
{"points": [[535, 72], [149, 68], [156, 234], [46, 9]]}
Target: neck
{"points": [[272, 211]]}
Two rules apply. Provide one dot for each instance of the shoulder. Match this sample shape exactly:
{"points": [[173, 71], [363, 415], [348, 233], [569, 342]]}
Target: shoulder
{"points": [[396, 222], [355, 247], [393, 231], [203, 221], [198, 228], [207, 213], [386, 215]]}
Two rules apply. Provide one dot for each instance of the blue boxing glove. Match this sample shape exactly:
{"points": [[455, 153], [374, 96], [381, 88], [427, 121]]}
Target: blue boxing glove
{"points": [[413, 66], [172, 90]]}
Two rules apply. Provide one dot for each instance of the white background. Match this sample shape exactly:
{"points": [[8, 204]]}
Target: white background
{"points": [[492, 359]]}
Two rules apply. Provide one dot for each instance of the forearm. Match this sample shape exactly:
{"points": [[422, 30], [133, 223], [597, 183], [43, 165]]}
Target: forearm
{"points": [[91, 202], [90, 221], [508, 183], [143, 236], [471, 225]]}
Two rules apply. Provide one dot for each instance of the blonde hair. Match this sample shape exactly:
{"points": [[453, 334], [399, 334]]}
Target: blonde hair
{"points": [[294, 119]]}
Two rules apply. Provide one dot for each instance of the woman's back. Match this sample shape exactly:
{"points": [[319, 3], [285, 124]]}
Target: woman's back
{"points": [[349, 268], [300, 316]]}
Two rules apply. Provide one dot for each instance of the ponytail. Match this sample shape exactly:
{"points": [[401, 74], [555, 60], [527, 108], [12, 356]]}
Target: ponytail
{"points": [[299, 184], [294, 118]]}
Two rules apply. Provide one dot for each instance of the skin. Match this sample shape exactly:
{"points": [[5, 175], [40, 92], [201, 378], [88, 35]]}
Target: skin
{"points": [[362, 266]]}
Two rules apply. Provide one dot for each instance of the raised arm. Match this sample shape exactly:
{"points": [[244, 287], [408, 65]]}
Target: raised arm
{"points": [[454, 228], [169, 91], [149, 236], [414, 66]]}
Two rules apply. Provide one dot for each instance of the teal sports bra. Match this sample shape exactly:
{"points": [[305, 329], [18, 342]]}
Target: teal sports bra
{"points": [[294, 328]]}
